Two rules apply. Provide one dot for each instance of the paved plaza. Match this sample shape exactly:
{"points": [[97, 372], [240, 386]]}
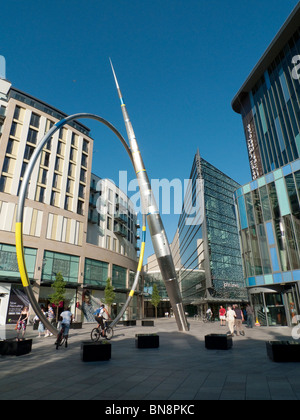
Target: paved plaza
{"points": [[180, 369]]}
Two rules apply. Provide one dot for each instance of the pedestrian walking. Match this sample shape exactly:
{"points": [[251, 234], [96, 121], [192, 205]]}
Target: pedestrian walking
{"points": [[250, 316], [51, 318], [230, 316], [41, 327], [239, 318], [222, 315]]}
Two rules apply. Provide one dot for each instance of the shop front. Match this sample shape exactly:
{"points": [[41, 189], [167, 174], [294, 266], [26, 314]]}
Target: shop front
{"points": [[276, 305]]}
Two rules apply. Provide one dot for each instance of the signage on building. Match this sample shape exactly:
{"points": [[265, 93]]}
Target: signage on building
{"points": [[252, 153], [251, 139]]}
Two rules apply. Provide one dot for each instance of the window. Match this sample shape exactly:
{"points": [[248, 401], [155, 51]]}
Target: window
{"points": [[81, 192], [28, 152], [60, 148], [2, 183], [35, 120], [53, 198], [58, 164], [56, 262], [84, 160], [68, 202], [74, 140], [13, 129], [80, 207], [6, 164], [43, 176], [82, 175], [40, 194], [32, 136], [72, 170], [24, 166], [17, 113], [85, 146], [46, 159], [95, 272], [72, 153], [10, 146]]}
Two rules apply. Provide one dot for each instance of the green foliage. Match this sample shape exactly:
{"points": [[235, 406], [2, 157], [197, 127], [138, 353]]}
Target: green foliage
{"points": [[109, 294], [155, 298], [59, 287]]}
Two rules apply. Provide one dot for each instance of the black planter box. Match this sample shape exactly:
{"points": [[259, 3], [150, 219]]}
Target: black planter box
{"points": [[218, 342], [95, 351], [283, 351], [147, 323], [147, 341], [15, 348], [76, 325], [129, 322]]}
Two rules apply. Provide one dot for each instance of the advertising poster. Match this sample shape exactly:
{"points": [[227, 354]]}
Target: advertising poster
{"points": [[17, 300]]}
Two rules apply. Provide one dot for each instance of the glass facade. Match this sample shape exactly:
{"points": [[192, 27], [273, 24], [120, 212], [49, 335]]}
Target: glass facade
{"points": [[9, 264], [67, 265], [119, 275], [207, 253], [268, 207], [269, 222], [271, 113], [95, 272]]}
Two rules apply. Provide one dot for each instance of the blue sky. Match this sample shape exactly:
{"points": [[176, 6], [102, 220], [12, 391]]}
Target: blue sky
{"points": [[179, 64]]}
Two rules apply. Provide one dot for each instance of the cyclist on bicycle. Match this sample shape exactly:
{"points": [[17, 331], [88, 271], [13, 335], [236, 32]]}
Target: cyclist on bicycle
{"points": [[209, 314], [100, 317], [67, 318]]}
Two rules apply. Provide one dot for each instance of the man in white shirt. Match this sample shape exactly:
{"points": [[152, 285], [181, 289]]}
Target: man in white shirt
{"points": [[230, 315], [67, 318]]}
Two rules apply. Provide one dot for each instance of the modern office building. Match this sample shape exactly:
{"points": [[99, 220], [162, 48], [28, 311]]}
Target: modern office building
{"points": [[268, 207], [205, 248], [269, 102], [63, 229]]}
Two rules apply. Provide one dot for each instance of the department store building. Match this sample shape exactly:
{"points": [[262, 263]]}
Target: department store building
{"points": [[268, 206], [205, 247]]}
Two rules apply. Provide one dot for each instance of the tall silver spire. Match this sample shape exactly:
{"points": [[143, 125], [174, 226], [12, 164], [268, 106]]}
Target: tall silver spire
{"points": [[156, 228]]}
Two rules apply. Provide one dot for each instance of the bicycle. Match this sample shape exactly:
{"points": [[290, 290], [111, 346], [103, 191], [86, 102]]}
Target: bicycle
{"points": [[61, 338], [206, 319], [96, 333]]}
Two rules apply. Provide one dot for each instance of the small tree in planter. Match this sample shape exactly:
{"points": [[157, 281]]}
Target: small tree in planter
{"points": [[155, 299], [109, 294], [59, 286]]}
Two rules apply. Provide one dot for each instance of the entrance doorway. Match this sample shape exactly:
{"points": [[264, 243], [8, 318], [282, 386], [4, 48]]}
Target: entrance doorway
{"points": [[275, 309], [276, 306], [291, 296]]}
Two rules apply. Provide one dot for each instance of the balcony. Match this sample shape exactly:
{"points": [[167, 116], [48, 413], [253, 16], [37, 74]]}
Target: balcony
{"points": [[120, 217], [92, 202], [120, 230], [93, 218]]}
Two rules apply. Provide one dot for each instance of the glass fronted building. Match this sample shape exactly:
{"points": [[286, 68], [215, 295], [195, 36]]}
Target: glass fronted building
{"points": [[269, 223], [269, 102], [206, 247], [268, 207]]}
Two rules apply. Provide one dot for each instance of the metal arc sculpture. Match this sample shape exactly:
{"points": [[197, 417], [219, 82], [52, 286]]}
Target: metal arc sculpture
{"points": [[149, 208], [20, 212]]}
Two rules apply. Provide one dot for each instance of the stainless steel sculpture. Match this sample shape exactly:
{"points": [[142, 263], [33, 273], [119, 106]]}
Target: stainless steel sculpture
{"points": [[20, 212], [156, 228]]}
